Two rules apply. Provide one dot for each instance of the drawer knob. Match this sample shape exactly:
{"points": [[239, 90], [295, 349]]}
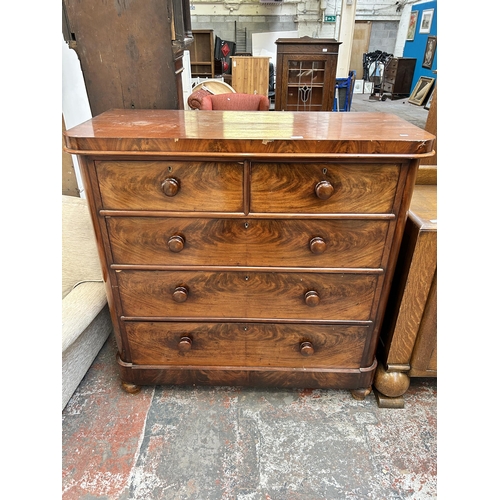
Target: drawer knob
{"points": [[180, 294], [176, 243], [170, 186], [317, 245], [306, 349], [185, 344], [324, 190], [312, 298]]}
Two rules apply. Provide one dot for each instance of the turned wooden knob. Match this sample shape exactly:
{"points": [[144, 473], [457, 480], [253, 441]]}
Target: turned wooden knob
{"points": [[306, 349], [324, 190], [185, 344], [312, 298], [176, 243], [317, 245], [170, 186], [180, 294]]}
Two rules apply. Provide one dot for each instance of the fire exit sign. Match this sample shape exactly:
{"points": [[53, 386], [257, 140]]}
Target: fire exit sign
{"points": [[330, 19]]}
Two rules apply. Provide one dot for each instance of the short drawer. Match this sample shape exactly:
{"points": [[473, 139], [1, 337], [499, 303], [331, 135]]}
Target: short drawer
{"points": [[238, 294], [323, 188], [171, 185], [246, 344], [248, 242], [388, 87]]}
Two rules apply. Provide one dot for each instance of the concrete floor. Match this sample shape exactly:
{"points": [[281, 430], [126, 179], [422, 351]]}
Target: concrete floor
{"points": [[218, 443]]}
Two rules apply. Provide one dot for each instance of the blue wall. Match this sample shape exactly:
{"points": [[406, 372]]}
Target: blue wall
{"points": [[416, 48]]}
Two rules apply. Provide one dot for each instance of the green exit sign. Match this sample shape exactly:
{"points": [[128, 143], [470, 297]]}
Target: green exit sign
{"points": [[330, 19]]}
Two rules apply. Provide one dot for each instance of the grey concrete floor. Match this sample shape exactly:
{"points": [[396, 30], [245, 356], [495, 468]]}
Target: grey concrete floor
{"points": [[214, 443], [400, 107]]}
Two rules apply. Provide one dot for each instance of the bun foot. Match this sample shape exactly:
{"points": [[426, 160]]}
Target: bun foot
{"points": [[360, 394], [130, 388], [390, 387]]}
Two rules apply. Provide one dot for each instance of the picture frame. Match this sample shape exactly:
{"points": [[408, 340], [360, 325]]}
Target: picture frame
{"points": [[426, 21], [427, 105], [430, 50], [421, 90], [412, 26]]}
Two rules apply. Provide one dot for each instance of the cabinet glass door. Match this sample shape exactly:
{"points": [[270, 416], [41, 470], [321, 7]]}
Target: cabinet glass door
{"points": [[306, 80]]}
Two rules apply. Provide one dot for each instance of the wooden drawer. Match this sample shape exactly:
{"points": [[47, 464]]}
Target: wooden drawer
{"points": [[246, 344], [247, 242], [388, 87], [281, 188], [202, 186], [239, 294]]}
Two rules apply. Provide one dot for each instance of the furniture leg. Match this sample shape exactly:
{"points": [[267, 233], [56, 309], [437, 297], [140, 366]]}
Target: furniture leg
{"points": [[390, 387]]}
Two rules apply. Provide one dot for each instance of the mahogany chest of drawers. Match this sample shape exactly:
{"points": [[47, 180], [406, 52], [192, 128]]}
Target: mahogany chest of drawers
{"points": [[248, 248]]}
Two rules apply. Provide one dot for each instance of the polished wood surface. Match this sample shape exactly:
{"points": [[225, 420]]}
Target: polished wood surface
{"points": [[247, 242], [140, 132], [141, 185], [251, 251], [240, 295], [247, 344]]}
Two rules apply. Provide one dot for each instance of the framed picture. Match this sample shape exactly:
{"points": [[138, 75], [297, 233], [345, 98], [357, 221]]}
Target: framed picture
{"points": [[421, 90], [426, 21], [412, 26], [430, 49], [427, 105]]}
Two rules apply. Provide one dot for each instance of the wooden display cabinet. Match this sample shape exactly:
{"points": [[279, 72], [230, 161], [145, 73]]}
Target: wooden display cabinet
{"points": [[306, 73], [202, 54]]}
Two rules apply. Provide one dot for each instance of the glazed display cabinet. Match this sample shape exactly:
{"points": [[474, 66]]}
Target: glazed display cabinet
{"points": [[305, 73]]}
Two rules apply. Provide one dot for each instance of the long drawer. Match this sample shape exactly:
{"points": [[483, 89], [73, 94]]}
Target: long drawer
{"points": [[247, 242], [246, 344], [323, 188], [238, 294], [171, 185]]}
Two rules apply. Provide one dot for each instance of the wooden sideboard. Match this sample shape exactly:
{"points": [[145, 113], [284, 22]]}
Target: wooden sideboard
{"points": [[249, 248]]}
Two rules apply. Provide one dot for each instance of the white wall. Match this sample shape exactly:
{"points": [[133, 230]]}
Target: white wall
{"points": [[75, 103]]}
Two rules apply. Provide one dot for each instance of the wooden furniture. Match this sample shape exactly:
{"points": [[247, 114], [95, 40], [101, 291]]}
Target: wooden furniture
{"points": [[398, 75], [250, 75], [202, 54], [251, 249], [305, 73], [234, 102], [431, 127], [408, 341], [130, 52]]}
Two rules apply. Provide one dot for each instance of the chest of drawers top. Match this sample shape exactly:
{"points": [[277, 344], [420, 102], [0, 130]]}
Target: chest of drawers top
{"points": [[149, 132]]}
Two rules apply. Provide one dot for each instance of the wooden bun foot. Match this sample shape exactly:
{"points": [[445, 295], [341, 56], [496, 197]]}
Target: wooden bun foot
{"points": [[360, 394], [130, 388], [390, 387]]}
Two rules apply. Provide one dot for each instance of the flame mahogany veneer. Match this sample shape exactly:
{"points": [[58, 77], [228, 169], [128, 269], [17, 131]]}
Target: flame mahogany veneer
{"points": [[248, 248]]}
